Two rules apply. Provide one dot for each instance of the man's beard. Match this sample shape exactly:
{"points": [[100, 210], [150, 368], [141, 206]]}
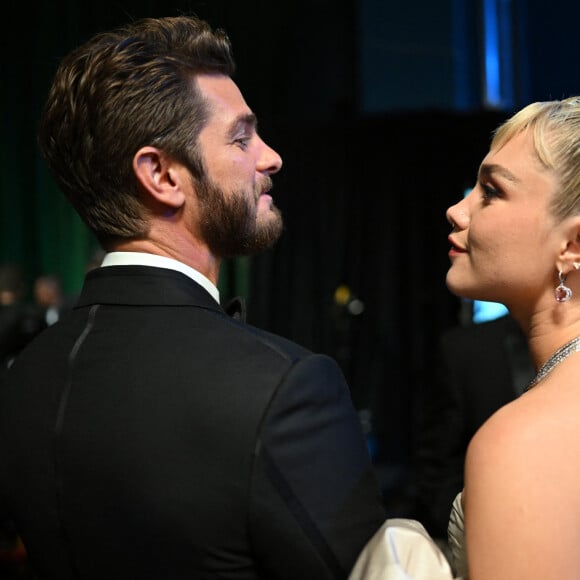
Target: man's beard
{"points": [[230, 223]]}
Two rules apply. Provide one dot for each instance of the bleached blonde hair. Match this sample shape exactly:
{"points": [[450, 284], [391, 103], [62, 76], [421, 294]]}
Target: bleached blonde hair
{"points": [[555, 129]]}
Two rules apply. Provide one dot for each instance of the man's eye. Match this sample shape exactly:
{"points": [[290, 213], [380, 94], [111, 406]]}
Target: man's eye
{"points": [[242, 141]]}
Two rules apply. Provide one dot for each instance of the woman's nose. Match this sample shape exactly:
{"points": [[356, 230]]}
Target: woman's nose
{"points": [[457, 215]]}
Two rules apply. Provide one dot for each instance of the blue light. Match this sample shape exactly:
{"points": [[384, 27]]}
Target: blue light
{"points": [[485, 311], [492, 54], [497, 32]]}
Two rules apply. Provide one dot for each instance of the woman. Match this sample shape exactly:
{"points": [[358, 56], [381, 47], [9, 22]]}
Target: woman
{"points": [[516, 240]]}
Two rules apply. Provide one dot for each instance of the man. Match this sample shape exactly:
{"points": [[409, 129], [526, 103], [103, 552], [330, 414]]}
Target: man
{"points": [[19, 322], [149, 435], [50, 299]]}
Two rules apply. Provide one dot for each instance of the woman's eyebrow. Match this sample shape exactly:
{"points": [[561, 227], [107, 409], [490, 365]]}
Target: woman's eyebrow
{"points": [[488, 169]]}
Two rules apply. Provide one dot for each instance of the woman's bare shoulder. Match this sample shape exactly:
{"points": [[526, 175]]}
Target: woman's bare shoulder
{"points": [[522, 470], [531, 441]]}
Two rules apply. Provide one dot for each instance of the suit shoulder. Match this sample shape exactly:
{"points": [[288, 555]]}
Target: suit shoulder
{"points": [[276, 344]]}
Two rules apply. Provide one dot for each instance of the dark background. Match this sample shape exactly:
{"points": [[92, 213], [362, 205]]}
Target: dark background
{"points": [[378, 110]]}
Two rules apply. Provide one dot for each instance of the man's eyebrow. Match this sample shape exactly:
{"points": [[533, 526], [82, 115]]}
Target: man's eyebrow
{"points": [[488, 169], [243, 122]]}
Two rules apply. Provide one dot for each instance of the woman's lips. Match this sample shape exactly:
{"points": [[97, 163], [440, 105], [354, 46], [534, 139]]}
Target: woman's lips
{"points": [[455, 248]]}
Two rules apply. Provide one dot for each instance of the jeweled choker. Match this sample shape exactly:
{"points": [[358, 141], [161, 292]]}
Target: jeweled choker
{"points": [[562, 353]]}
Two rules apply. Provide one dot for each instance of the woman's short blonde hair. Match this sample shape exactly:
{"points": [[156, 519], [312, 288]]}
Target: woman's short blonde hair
{"points": [[555, 129]]}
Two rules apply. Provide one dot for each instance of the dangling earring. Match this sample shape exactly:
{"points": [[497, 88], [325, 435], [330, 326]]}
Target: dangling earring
{"points": [[576, 265], [562, 292]]}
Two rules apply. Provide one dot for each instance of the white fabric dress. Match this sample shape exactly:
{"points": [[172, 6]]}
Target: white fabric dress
{"points": [[456, 537], [401, 550]]}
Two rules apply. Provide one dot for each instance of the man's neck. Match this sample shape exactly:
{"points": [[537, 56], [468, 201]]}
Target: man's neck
{"points": [[197, 257]]}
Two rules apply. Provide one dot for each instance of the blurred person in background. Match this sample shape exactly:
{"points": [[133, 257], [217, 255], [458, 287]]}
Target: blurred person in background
{"points": [[50, 298], [20, 322]]}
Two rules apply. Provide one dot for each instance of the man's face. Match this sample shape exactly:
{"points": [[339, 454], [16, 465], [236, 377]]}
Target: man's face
{"points": [[236, 213]]}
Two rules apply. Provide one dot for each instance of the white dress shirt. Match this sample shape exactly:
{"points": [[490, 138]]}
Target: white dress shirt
{"points": [[143, 259]]}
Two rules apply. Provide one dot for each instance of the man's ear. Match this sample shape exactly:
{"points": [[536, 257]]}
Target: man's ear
{"points": [[569, 258], [161, 177]]}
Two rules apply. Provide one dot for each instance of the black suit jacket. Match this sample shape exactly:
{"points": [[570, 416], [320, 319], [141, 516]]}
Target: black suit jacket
{"points": [[148, 435], [480, 368]]}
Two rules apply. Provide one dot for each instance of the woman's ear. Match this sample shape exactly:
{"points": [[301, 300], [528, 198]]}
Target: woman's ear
{"points": [[569, 258], [161, 177]]}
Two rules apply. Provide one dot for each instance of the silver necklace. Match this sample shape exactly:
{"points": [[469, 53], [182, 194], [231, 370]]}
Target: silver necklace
{"points": [[562, 353]]}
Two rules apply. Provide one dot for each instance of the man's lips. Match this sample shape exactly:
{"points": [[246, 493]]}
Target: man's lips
{"points": [[266, 186]]}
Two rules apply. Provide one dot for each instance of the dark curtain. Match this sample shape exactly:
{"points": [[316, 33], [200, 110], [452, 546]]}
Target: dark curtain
{"points": [[364, 205], [38, 229]]}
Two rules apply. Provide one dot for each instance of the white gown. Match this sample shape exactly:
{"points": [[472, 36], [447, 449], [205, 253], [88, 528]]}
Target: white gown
{"points": [[401, 550], [456, 537]]}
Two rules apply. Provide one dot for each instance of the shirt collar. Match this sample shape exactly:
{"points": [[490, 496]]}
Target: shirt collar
{"points": [[144, 259]]}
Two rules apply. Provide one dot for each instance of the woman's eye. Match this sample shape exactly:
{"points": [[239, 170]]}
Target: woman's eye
{"points": [[489, 191]]}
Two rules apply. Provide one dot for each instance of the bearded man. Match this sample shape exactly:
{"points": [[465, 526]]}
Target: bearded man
{"points": [[147, 434]]}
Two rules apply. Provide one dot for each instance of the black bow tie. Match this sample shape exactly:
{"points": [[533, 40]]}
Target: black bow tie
{"points": [[236, 308]]}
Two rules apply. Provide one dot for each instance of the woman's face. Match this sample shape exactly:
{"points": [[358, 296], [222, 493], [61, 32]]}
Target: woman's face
{"points": [[505, 241]]}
